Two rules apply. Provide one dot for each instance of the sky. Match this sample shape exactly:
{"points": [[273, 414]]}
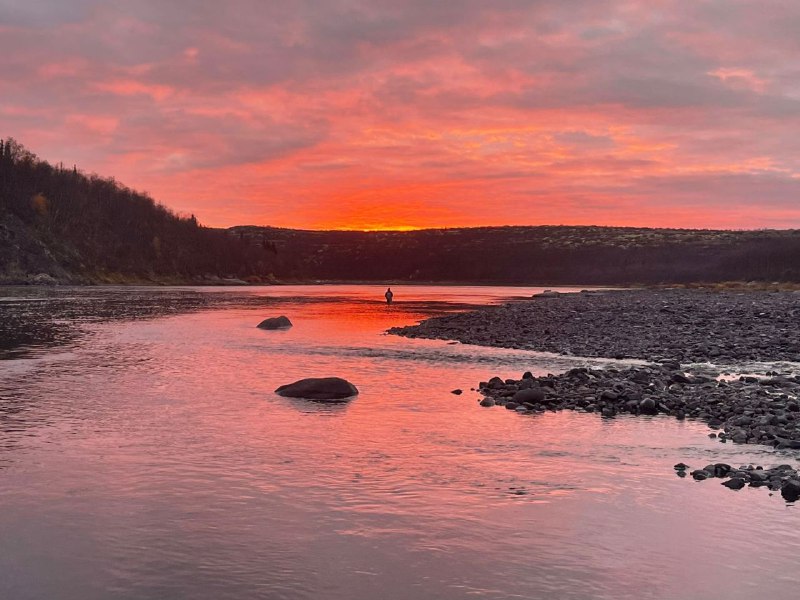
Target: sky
{"points": [[378, 114]]}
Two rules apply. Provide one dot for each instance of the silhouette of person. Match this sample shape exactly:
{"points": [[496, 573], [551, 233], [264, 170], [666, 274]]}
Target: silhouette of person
{"points": [[389, 295]]}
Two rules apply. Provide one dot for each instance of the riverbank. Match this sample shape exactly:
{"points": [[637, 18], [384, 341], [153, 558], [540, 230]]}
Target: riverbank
{"points": [[667, 327], [689, 326]]}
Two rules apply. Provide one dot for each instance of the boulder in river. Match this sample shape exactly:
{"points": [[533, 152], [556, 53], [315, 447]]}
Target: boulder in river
{"points": [[281, 322], [319, 388]]}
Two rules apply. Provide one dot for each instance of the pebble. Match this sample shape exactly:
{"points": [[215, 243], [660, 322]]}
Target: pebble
{"points": [[673, 325]]}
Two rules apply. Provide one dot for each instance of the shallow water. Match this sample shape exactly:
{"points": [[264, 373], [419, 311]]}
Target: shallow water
{"points": [[150, 458]]}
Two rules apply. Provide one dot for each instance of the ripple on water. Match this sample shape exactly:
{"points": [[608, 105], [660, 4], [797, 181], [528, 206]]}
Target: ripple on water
{"points": [[152, 459]]}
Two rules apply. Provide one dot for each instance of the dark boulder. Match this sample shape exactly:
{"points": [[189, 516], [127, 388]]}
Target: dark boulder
{"points": [[791, 490], [532, 395], [281, 322], [319, 388], [721, 469], [648, 406], [735, 483], [495, 383]]}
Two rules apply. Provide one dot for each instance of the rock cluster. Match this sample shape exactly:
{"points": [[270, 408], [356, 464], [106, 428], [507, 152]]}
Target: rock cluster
{"points": [[783, 477], [674, 324], [746, 410]]}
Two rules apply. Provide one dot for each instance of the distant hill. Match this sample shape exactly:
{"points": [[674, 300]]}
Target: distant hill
{"points": [[545, 254], [63, 225]]}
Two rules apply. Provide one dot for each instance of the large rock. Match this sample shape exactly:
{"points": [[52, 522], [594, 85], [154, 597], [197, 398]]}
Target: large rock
{"points": [[319, 388], [275, 323]]}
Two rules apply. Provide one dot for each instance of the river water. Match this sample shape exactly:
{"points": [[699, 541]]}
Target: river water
{"points": [[149, 458]]}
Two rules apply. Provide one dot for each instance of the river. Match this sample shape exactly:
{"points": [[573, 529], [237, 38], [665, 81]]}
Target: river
{"points": [[148, 457]]}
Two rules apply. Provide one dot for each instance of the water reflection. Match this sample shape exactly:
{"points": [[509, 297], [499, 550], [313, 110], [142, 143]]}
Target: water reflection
{"points": [[153, 460]]}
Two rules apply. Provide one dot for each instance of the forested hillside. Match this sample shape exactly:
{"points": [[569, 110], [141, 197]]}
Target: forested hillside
{"points": [[62, 224], [546, 254]]}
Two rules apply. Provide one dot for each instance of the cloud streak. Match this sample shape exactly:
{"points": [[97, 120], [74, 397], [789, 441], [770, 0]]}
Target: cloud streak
{"points": [[414, 114]]}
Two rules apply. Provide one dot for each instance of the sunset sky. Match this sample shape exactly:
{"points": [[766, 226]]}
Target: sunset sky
{"points": [[404, 114]]}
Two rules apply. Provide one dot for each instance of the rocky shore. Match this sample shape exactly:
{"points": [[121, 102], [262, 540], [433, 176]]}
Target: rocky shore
{"points": [[723, 327], [745, 410], [667, 328]]}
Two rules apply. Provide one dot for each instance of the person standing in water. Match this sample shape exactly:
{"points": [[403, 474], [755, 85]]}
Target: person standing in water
{"points": [[389, 295]]}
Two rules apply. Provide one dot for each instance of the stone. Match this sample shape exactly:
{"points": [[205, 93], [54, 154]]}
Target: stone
{"points": [[736, 483], [790, 490], [609, 395], [457, 392], [721, 469], [648, 406], [319, 388], [496, 383], [273, 323], [740, 437], [532, 395], [487, 402]]}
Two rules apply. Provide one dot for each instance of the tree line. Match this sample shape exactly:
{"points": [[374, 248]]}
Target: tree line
{"points": [[90, 226], [542, 254], [94, 224]]}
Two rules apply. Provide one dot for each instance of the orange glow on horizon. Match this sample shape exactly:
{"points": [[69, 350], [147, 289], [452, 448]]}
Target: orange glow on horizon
{"points": [[376, 117]]}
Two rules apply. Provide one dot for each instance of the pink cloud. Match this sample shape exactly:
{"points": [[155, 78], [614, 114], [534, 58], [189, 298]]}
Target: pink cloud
{"points": [[413, 114]]}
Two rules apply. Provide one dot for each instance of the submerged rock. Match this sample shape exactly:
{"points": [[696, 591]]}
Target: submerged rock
{"points": [[281, 322], [319, 388]]}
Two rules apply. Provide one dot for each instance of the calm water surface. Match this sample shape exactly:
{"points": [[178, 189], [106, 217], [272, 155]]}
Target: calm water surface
{"points": [[150, 459]]}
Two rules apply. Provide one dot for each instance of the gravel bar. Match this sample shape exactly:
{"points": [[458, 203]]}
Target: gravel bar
{"points": [[689, 326]]}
